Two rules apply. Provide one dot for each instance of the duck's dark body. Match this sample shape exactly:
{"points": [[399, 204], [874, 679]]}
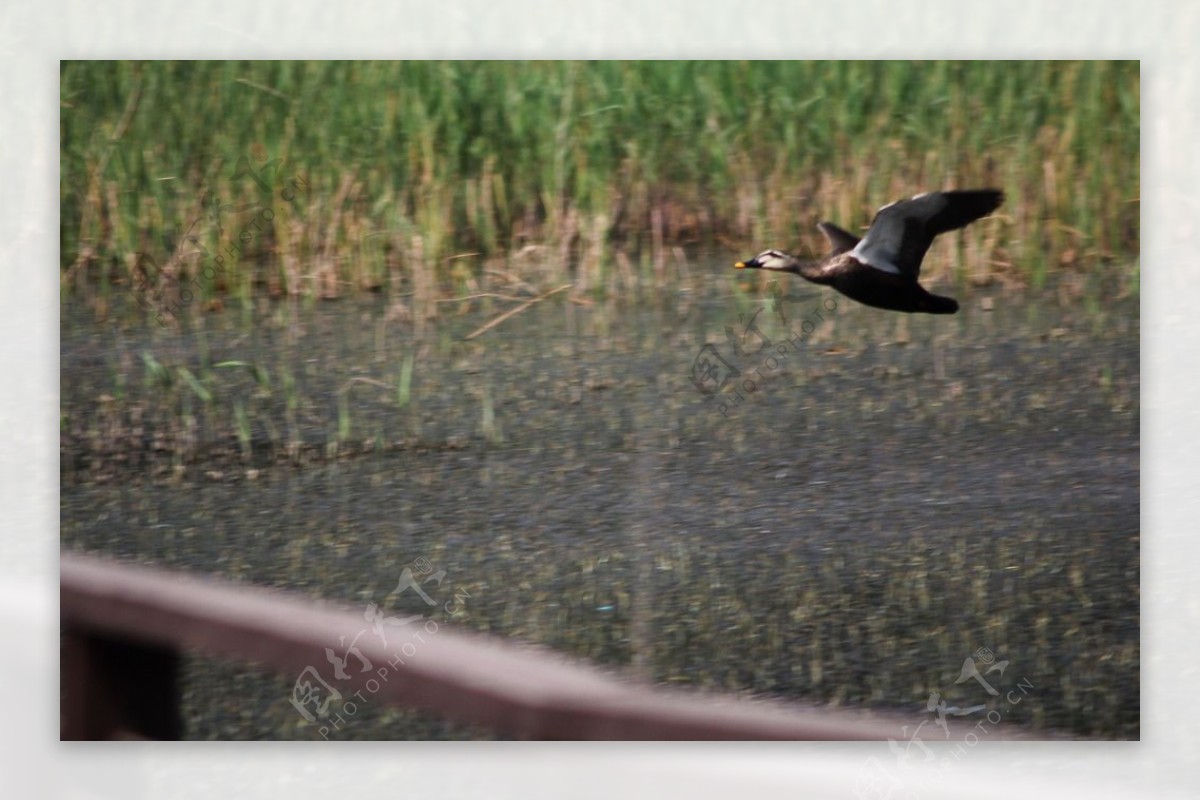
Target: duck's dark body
{"points": [[872, 287], [882, 268]]}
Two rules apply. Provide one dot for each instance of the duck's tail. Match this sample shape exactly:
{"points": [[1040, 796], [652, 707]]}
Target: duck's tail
{"points": [[936, 304]]}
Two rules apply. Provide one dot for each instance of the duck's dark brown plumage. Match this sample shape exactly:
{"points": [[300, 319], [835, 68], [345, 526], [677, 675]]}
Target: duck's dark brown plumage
{"points": [[882, 268]]}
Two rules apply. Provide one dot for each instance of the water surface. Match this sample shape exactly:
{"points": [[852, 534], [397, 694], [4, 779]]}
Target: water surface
{"points": [[887, 497]]}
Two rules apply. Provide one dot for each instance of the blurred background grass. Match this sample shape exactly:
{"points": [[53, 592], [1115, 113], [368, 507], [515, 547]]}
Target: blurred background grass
{"points": [[377, 175]]}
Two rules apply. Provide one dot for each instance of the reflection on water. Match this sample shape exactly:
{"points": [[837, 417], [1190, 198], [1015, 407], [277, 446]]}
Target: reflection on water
{"points": [[779, 492]]}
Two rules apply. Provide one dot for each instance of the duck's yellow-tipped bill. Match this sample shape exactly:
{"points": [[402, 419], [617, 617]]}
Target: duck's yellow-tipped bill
{"points": [[741, 265]]}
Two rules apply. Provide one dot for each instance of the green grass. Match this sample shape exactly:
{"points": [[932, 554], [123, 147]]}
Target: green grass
{"points": [[322, 178]]}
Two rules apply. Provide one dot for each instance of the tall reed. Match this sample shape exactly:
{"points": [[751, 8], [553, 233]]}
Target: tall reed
{"points": [[319, 177]]}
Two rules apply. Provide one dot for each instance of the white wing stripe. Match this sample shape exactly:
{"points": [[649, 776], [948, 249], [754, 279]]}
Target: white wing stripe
{"points": [[874, 256]]}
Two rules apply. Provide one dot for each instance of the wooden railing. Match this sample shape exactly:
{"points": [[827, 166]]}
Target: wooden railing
{"points": [[125, 627]]}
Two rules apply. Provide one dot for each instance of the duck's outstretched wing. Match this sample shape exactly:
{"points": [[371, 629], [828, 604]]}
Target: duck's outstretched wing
{"points": [[841, 240], [902, 231]]}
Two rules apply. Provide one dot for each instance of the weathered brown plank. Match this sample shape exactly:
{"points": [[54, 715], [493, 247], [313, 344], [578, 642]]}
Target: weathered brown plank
{"points": [[512, 689]]}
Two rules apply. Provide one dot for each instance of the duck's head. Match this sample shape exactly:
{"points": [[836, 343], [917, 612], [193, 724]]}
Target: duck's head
{"points": [[767, 260]]}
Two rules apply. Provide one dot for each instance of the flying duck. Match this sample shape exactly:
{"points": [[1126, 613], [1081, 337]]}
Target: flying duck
{"points": [[882, 268]]}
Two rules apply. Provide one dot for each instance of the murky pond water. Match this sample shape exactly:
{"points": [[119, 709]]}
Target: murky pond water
{"points": [[871, 500]]}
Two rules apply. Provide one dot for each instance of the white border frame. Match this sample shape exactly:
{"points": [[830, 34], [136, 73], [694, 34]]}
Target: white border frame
{"points": [[34, 37]]}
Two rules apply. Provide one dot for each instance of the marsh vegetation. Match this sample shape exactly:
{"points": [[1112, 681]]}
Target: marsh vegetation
{"points": [[425, 178]]}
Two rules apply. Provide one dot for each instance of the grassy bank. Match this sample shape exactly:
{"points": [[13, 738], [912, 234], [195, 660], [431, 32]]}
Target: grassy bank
{"points": [[323, 178]]}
